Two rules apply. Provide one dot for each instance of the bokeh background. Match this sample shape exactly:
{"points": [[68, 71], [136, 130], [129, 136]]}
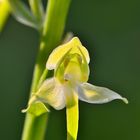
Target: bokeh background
{"points": [[110, 29]]}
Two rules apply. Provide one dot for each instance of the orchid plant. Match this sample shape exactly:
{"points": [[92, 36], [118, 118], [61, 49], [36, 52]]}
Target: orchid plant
{"points": [[69, 62]]}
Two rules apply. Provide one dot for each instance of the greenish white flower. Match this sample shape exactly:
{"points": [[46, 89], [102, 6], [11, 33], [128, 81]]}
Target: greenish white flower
{"points": [[69, 83], [71, 71]]}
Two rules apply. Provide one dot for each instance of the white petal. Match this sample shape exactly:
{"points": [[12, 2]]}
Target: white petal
{"points": [[51, 92], [98, 95], [70, 95]]}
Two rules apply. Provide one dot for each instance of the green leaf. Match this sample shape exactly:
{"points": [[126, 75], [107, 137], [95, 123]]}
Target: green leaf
{"points": [[4, 13], [72, 112], [22, 13]]}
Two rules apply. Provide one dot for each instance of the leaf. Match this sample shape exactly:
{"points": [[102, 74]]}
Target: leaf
{"points": [[4, 13], [22, 13]]}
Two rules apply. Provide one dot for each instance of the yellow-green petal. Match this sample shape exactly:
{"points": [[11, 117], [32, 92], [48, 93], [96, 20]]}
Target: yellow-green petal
{"points": [[4, 12], [61, 50], [73, 68], [84, 68], [72, 112]]}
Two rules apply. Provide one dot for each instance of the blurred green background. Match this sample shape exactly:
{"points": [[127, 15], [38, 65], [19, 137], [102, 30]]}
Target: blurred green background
{"points": [[111, 32]]}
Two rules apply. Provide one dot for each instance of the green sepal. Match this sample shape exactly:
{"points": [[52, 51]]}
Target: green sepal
{"points": [[73, 70], [84, 67], [37, 109], [60, 67], [74, 44]]}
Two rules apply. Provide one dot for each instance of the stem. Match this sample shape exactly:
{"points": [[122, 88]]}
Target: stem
{"points": [[34, 128]]}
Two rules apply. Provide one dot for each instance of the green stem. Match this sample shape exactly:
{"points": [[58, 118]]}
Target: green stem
{"points": [[34, 128]]}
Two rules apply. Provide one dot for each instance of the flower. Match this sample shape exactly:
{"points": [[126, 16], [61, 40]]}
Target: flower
{"points": [[70, 62], [69, 83], [71, 71]]}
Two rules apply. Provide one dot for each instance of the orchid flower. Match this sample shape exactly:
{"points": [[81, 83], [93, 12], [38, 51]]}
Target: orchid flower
{"points": [[69, 83]]}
